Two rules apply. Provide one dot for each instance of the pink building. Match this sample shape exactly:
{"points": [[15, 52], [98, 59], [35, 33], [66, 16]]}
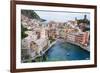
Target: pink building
{"points": [[85, 38], [82, 38]]}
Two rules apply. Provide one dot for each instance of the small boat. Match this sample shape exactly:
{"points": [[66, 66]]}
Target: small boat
{"points": [[68, 54]]}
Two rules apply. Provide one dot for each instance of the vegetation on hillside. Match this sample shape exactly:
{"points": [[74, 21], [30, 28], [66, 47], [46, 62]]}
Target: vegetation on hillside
{"points": [[23, 29]]}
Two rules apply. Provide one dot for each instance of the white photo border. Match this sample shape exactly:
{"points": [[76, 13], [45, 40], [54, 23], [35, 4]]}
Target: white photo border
{"points": [[20, 65]]}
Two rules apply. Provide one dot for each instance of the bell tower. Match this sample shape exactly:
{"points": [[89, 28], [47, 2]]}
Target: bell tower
{"points": [[76, 21]]}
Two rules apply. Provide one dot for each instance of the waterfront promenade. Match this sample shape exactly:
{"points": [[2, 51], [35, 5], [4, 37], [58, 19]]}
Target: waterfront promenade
{"points": [[84, 47]]}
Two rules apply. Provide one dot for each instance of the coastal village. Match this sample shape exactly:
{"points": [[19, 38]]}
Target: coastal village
{"points": [[41, 35]]}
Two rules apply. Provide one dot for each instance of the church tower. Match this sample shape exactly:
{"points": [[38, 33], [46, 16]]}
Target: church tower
{"points": [[76, 23]]}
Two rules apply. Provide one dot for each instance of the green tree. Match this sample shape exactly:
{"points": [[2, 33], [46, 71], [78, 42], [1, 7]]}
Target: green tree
{"points": [[23, 29]]}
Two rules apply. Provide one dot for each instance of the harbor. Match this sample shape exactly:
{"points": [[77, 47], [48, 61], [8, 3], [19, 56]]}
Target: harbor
{"points": [[50, 40]]}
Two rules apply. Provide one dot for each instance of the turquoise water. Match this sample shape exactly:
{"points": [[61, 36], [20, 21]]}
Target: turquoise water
{"points": [[66, 51]]}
